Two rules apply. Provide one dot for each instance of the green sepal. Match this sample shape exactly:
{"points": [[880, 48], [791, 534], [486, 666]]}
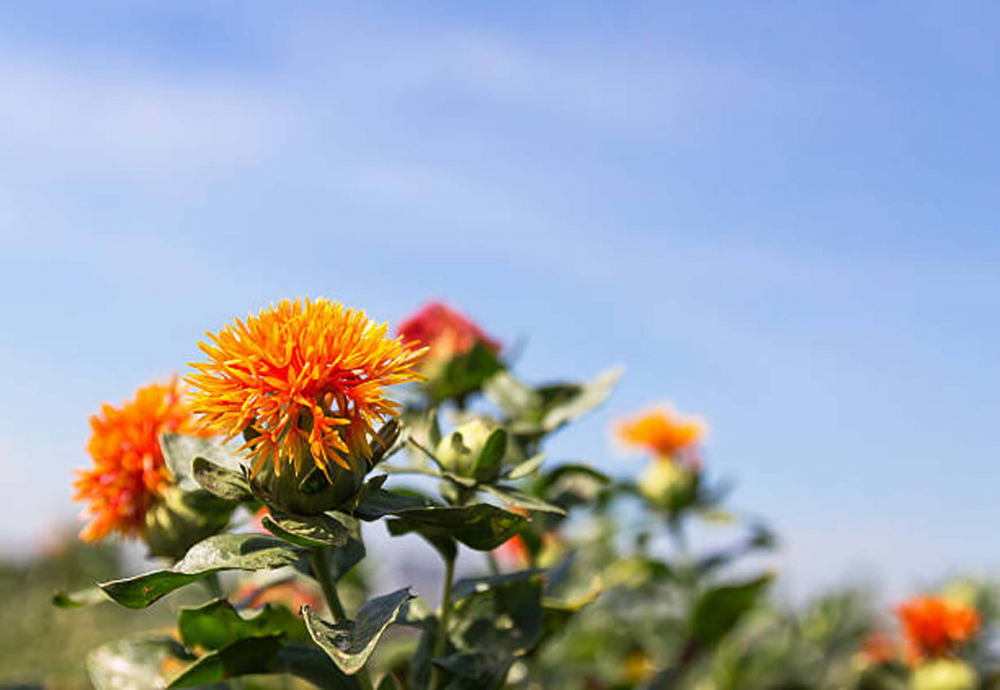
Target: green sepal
{"points": [[311, 531], [220, 481]]}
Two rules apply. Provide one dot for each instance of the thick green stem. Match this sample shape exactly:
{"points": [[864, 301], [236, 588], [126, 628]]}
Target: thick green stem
{"points": [[321, 569], [441, 642], [213, 585]]}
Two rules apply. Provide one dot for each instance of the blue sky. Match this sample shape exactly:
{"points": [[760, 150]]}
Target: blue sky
{"points": [[782, 216]]}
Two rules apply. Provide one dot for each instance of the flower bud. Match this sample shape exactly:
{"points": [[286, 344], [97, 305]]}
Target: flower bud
{"points": [[665, 480], [943, 674], [180, 519], [459, 451], [308, 491]]}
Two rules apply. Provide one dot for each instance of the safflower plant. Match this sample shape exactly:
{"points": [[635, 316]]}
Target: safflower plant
{"points": [[251, 478]]}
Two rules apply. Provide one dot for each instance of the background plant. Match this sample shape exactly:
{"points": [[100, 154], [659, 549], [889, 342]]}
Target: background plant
{"points": [[587, 580]]}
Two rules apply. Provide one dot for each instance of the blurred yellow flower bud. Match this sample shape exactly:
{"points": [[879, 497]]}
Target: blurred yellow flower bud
{"points": [[943, 674]]}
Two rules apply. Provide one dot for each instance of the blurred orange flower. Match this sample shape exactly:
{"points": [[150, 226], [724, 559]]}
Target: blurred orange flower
{"points": [[935, 626], [662, 431], [878, 648], [514, 553], [129, 471], [294, 594], [307, 377], [444, 330]]}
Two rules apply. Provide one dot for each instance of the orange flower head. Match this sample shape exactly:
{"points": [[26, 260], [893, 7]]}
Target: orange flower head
{"points": [[129, 472], [935, 626], [662, 431], [303, 379], [445, 331]]}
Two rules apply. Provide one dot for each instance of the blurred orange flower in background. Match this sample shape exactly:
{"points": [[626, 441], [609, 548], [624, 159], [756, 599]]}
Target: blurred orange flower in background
{"points": [[445, 331], [129, 472], [294, 594], [935, 626], [514, 553], [879, 648], [662, 431], [308, 377]]}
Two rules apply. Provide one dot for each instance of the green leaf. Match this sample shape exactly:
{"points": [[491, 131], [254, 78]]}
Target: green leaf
{"points": [[350, 643], [442, 543], [83, 597], [590, 395], [466, 587], [480, 526], [133, 663], [572, 485], [343, 558], [380, 502], [258, 655], [510, 395], [217, 624], [720, 609], [221, 552], [519, 499], [488, 463], [476, 669], [526, 468], [464, 374], [221, 481], [504, 618], [310, 531], [388, 683], [180, 450]]}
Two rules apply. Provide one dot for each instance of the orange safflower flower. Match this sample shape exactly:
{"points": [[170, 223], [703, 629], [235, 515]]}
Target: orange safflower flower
{"points": [[306, 378], [935, 626], [662, 431], [129, 471], [445, 331]]}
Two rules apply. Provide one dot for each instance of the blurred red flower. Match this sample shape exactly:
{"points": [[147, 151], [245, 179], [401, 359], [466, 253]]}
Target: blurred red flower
{"points": [[445, 331]]}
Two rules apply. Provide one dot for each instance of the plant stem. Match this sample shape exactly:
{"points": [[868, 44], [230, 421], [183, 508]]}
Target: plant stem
{"points": [[491, 561], [441, 642], [213, 585], [321, 569]]}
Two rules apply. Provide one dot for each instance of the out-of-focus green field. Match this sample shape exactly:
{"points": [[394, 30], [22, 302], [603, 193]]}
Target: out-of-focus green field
{"points": [[45, 646]]}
